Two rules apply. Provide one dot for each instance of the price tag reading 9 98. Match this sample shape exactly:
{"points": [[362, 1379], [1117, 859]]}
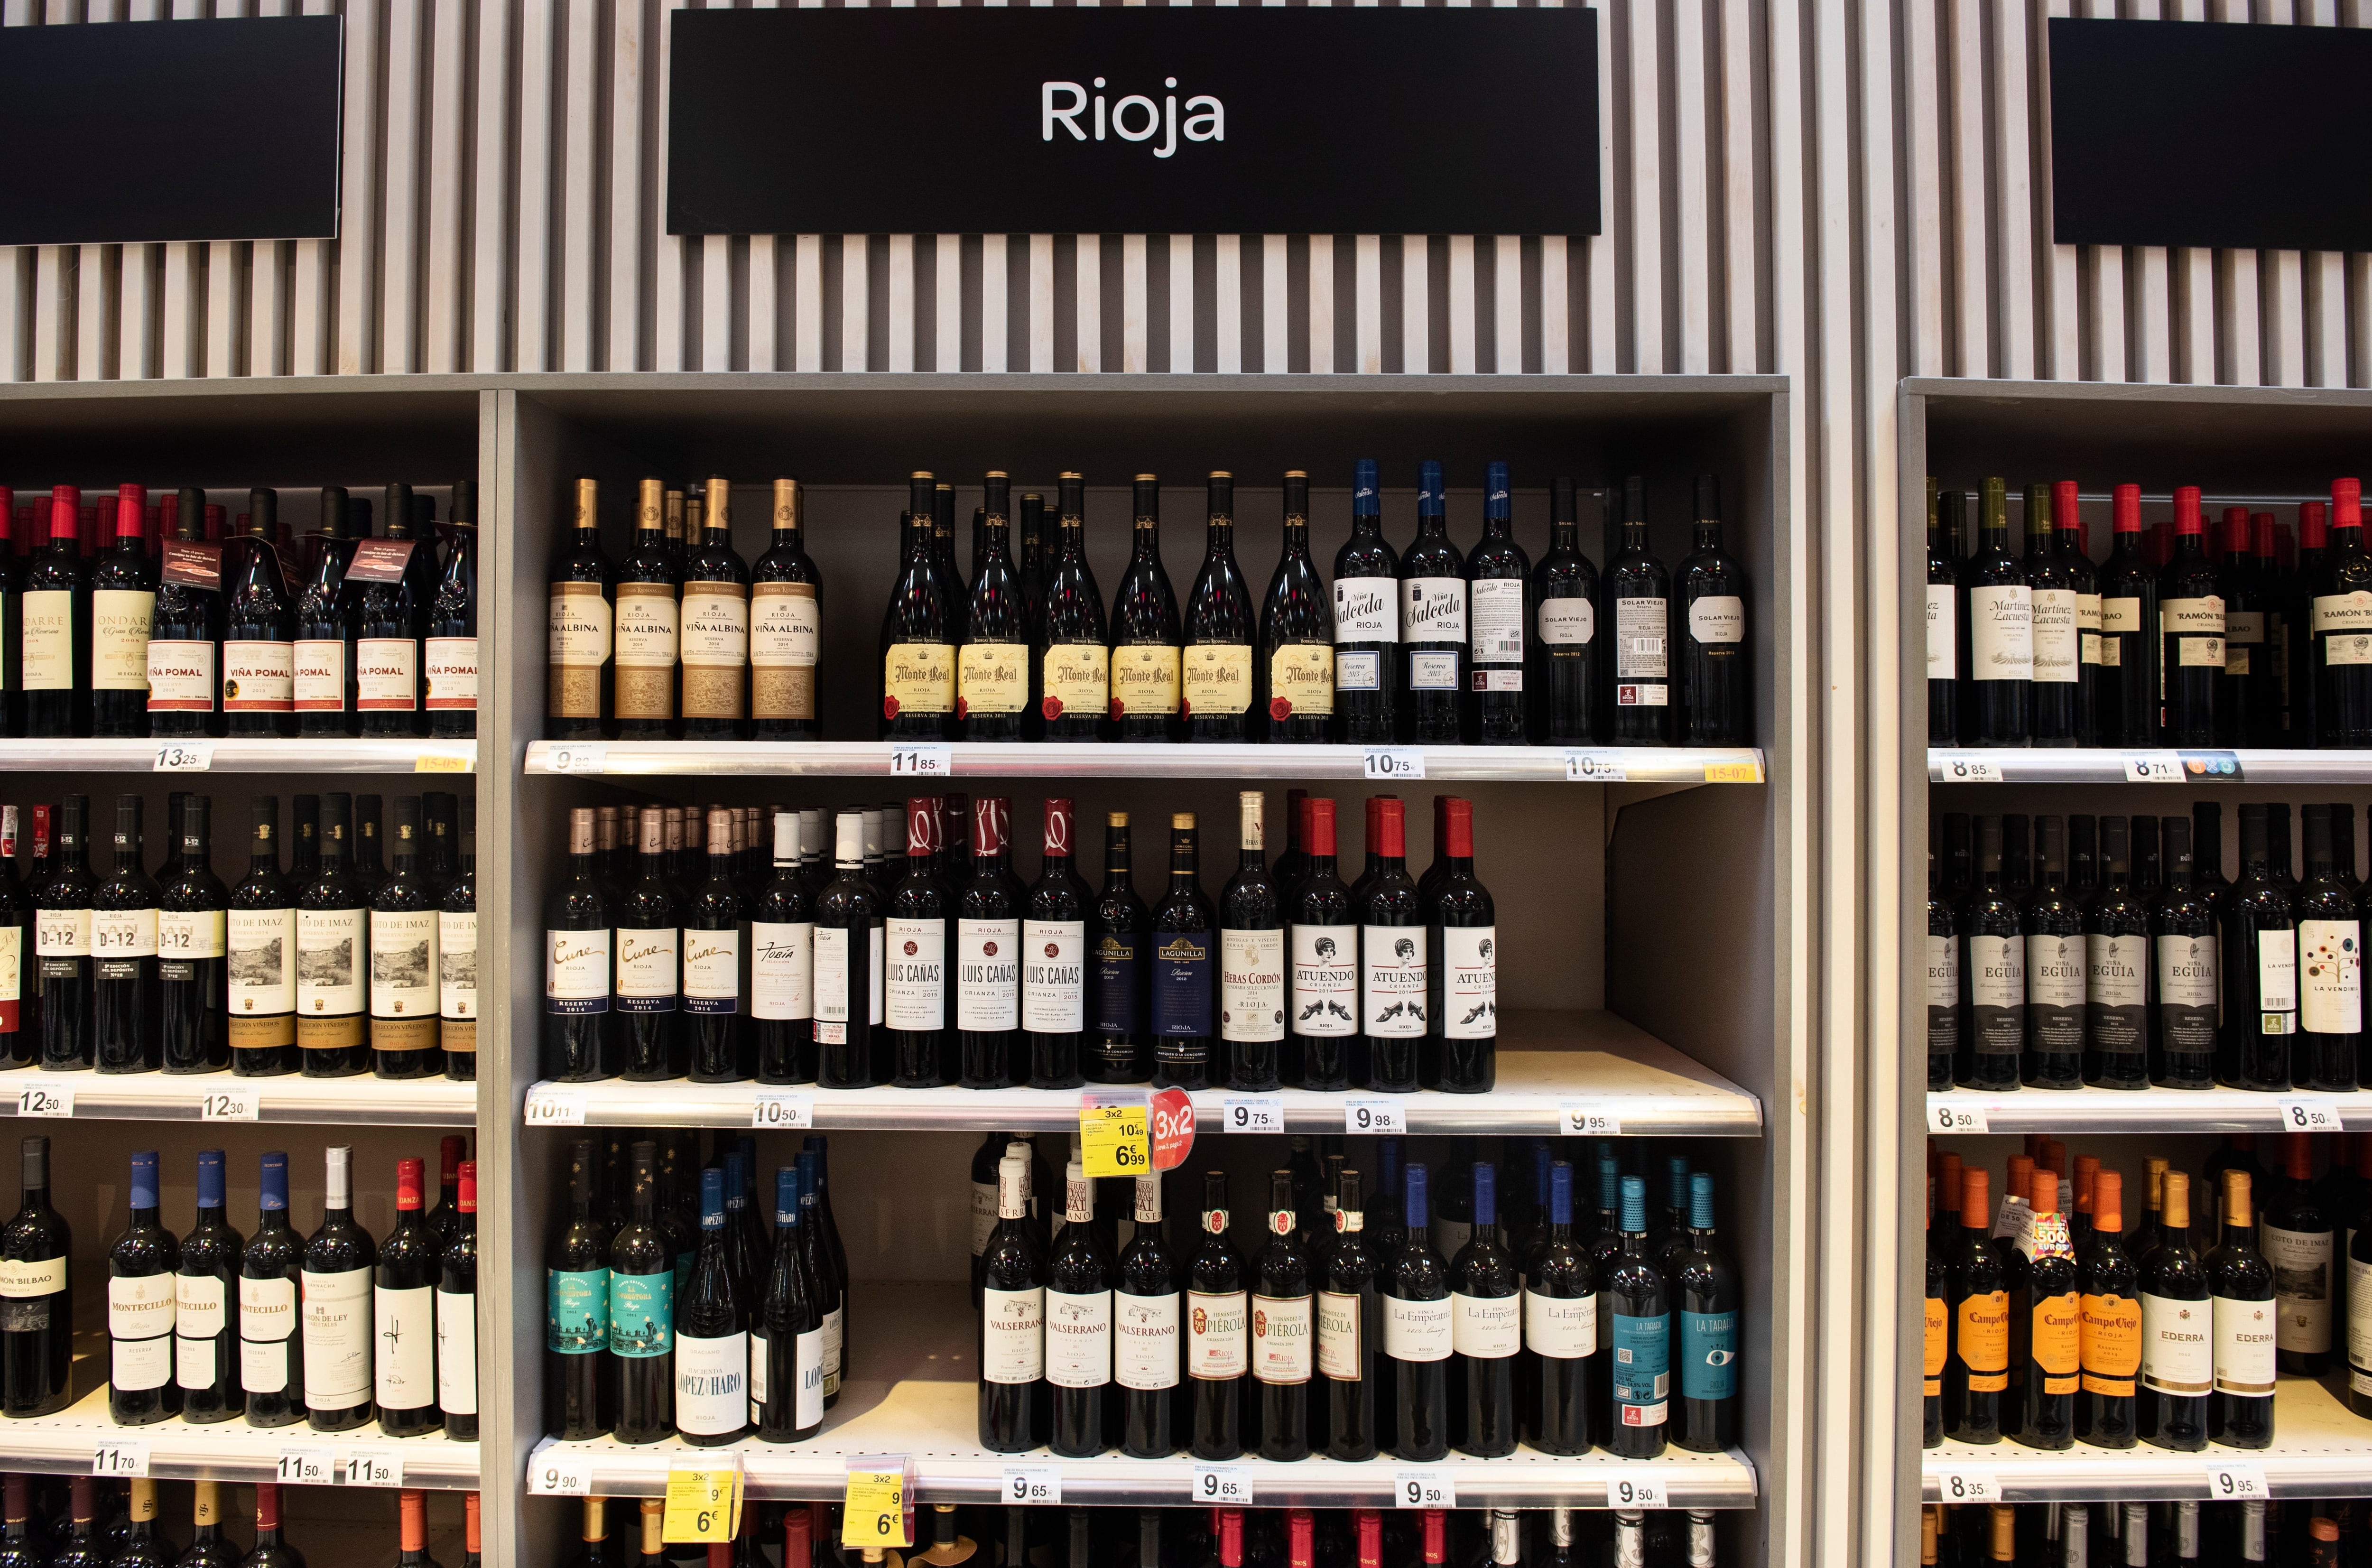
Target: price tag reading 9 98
{"points": [[1113, 1141]]}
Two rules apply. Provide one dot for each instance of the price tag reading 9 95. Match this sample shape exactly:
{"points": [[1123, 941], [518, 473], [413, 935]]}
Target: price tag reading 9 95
{"points": [[1375, 1114], [1263, 1114], [1580, 1119], [1033, 1485], [1423, 1489], [1113, 1141], [2241, 1482], [1637, 1491]]}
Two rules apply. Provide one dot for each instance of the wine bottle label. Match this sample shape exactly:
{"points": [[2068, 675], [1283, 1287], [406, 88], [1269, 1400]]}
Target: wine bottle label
{"points": [[1432, 671], [1144, 679], [1338, 1336], [1120, 982], [914, 975], [2088, 619], [456, 970], [645, 636], [1562, 1328], [577, 1311], [1145, 1340], [1490, 1327], [1012, 1335], [1054, 976], [1498, 681], [2331, 964], [262, 953], [1359, 671], [832, 998], [123, 934], [197, 1359], [2177, 1349], [2278, 982], [1325, 999], [140, 1331], [1996, 977], [2054, 635], [190, 934], [1639, 640], [387, 675], [648, 970], [452, 674], [136, 1366], [918, 677], [1217, 679], [338, 1324], [2244, 1346], [2247, 626], [712, 973], [48, 640], [988, 974], [2055, 1335], [1709, 1354], [2188, 1005], [267, 1323], [711, 1376], [1470, 983], [1566, 623], [1282, 1347], [873, 975], [2197, 626], [61, 934], [403, 977], [1433, 610], [2120, 615], [201, 1314], [807, 1354], [1251, 985], [2054, 991], [1495, 620], [12, 978], [2001, 632], [786, 628], [405, 1337], [984, 1215], [1943, 955], [1417, 1331], [1181, 983], [576, 972], [991, 677], [1077, 680], [1367, 610], [180, 676], [261, 677], [782, 970], [1719, 619], [457, 1353], [715, 648], [1943, 633], [642, 1314], [2359, 1312], [1643, 1367], [2301, 1261], [1301, 680], [2346, 614], [1218, 1334], [119, 619], [329, 970], [1983, 1340], [2117, 993], [1392, 979], [1078, 1339], [2111, 1344]]}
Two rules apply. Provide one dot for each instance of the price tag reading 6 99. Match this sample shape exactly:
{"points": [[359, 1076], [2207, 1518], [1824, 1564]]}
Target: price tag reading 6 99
{"points": [[1113, 1141]]}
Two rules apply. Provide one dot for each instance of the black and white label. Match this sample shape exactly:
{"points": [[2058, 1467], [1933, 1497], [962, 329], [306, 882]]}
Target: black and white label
{"points": [[914, 974], [1433, 610], [403, 964], [201, 1314], [1054, 976], [457, 1353], [1078, 1339], [1717, 618], [1470, 983], [1639, 636], [1417, 1331], [832, 990], [263, 946], [1996, 971], [337, 1318], [2187, 995], [988, 974], [1490, 1327], [711, 1376], [1432, 671], [2057, 653], [1251, 985], [2117, 991], [1325, 998], [2301, 1261], [2277, 971], [1367, 610], [1943, 631], [1359, 671], [403, 1340], [267, 1321], [1145, 1340], [1392, 980]]}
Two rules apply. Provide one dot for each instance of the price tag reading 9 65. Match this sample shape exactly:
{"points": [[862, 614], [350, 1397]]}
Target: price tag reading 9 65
{"points": [[1423, 1489], [1263, 1114], [1375, 1114], [120, 1458], [782, 1111], [1033, 1485], [45, 1100], [1394, 762], [1228, 1486], [2242, 1483], [1637, 1491]]}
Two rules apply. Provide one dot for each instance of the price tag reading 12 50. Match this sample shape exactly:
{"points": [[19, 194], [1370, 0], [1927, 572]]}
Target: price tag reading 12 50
{"points": [[1113, 1141]]}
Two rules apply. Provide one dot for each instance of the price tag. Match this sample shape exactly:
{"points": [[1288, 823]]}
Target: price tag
{"points": [[442, 763], [703, 1503], [2153, 767], [1375, 1114], [2241, 1482], [1965, 767], [1955, 1116], [1265, 1113], [1733, 772], [45, 1100], [552, 1475], [1969, 1486], [1225, 1485], [241, 1104], [576, 757], [1032, 1484], [306, 1467], [2215, 767], [1395, 762], [183, 757], [922, 762], [1579, 1118], [2303, 1115], [873, 1509], [1423, 1489], [780, 1110], [372, 1466], [554, 1107], [1592, 767], [1114, 1139], [1635, 1492], [121, 1456]]}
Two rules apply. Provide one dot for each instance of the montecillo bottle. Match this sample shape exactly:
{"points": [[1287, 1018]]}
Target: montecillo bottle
{"points": [[1073, 684], [1366, 618], [919, 633], [993, 666], [192, 951], [206, 1296], [62, 936], [332, 947], [1216, 691], [2258, 949], [1295, 699], [2191, 630], [1144, 631], [1433, 620], [141, 1265]]}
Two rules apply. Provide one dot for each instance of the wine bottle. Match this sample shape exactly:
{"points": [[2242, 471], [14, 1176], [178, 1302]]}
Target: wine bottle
{"points": [[185, 627], [405, 925], [1999, 607], [1182, 975], [1494, 707], [1013, 1318], [1283, 1350], [1637, 591], [191, 965], [642, 1312], [715, 643], [259, 942], [1219, 1332], [2339, 626], [36, 1280], [1366, 619], [1486, 1330], [2129, 618], [2052, 1346], [1215, 694], [1072, 652], [781, 964], [2296, 1238], [993, 666], [208, 1548], [745, 1259], [2188, 999], [786, 1338], [988, 958], [1942, 955], [579, 617], [1251, 959], [61, 937], [2057, 649], [914, 961], [1078, 1309], [123, 997], [2109, 1339], [1561, 1334], [649, 984], [2240, 1283], [1323, 1004], [2117, 988], [403, 1314], [1432, 622], [712, 919], [847, 963], [451, 648], [2257, 927], [259, 650], [457, 1313], [1145, 633], [1418, 1329], [333, 939], [1462, 993], [1393, 968], [1350, 1326], [711, 1341], [2055, 979], [1294, 696], [2248, 705], [2178, 1340], [338, 1266], [1146, 1322], [457, 953], [827, 1256], [123, 609], [578, 1370], [271, 1349], [20, 1006], [2329, 964], [1054, 961], [388, 615], [919, 633], [785, 626], [1993, 973], [578, 1045], [205, 1282], [647, 633], [56, 618], [2190, 590], [1943, 630], [141, 1265], [1119, 935], [324, 615]]}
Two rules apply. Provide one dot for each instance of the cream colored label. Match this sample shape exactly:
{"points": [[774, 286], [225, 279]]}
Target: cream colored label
{"points": [[918, 677], [1145, 679], [319, 675], [1217, 679], [191, 933], [577, 646], [1076, 679], [1301, 681], [716, 649], [2122, 615], [119, 638], [452, 673], [991, 677], [262, 961], [2343, 612], [647, 626], [785, 629], [386, 675], [330, 954], [403, 964], [48, 640]]}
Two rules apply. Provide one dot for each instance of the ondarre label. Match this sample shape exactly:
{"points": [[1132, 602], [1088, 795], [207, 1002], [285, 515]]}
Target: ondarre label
{"points": [[918, 677], [48, 639], [119, 638], [991, 677], [1077, 680], [1218, 679], [1144, 679], [1301, 681]]}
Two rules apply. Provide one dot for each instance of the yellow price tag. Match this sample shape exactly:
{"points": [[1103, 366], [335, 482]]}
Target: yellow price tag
{"points": [[440, 762], [1733, 772], [701, 1506], [873, 1513], [1114, 1140]]}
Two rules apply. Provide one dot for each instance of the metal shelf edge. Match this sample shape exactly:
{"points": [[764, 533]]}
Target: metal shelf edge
{"points": [[2147, 1110], [153, 1097], [2199, 765], [305, 757]]}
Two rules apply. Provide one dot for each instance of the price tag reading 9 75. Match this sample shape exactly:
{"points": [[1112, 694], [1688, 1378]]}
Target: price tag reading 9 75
{"points": [[1263, 1114], [1635, 1492], [1375, 1114], [1423, 1489]]}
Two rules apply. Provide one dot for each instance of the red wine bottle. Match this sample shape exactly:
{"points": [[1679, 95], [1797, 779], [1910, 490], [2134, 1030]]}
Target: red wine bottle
{"points": [[205, 1306], [2240, 1286], [714, 642], [388, 617], [140, 1266], [339, 1262], [456, 1313], [1054, 961], [993, 667], [123, 994], [404, 1306], [1433, 620], [1216, 693], [1144, 631], [1295, 696], [919, 631], [988, 953], [2331, 948], [914, 959], [1118, 938], [2340, 626], [642, 1312], [1072, 653], [712, 921], [647, 633], [1013, 1315], [450, 648], [1218, 1336], [782, 963], [1147, 1328], [1251, 959], [1637, 593], [711, 1341], [1462, 993], [1486, 1331], [259, 656], [2191, 593], [1322, 1003], [1349, 1312], [2057, 645], [123, 607], [1079, 1325], [649, 937], [1393, 968], [1943, 643], [1495, 606], [848, 962], [56, 614], [1418, 1319], [1999, 606], [1182, 979], [1284, 1329], [2248, 704], [271, 1344], [2257, 924], [785, 626], [1366, 619]]}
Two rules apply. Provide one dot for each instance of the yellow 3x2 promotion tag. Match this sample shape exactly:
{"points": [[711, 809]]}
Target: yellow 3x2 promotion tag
{"points": [[873, 1510], [703, 1506], [1113, 1141]]}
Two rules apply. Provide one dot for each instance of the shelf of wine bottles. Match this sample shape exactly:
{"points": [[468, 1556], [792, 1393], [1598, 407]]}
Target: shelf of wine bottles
{"points": [[2291, 1532], [139, 1523], [1554, 1066], [289, 1098], [70, 1442], [228, 756], [2171, 765], [2123, 1111]]}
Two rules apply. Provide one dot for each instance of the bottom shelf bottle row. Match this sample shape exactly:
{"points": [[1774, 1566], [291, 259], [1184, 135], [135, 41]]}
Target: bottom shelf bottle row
{"points": [[87, 1522], [2328, 1533]]}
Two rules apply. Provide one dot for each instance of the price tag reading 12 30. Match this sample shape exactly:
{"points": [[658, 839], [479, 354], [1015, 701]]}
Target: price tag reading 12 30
{"points": [[243, 1104]]}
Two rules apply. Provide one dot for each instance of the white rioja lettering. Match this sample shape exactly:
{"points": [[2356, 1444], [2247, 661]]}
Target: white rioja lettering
{"points": [[1136, 118]]}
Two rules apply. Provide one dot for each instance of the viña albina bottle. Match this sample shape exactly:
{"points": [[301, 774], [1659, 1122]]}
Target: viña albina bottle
{"points": [[1366, 619], [642, 1312], [339, 1264], [140, 1266], [712, 921], [191, 961], [122, 608], [1496, 596], [1393, 966], [205, 1296], [786, 1336], [270, 1341], [1216, 664], [1637, 594], [785, 626], [457, 1313], [579, 1046], [1054, 961], [1322, 1004], [1251, 959], [580, 1378], [1012, 1317], [847, 963], [1295, 700], [2191, 630], [919, 631], [1486, 1331], [1146, 1332], [711, 1341], [1079, 1325], [1219, 1332], [993, 666], [646, 634], [1433, 620], [2258, 962], [1073, 658], [332, 948], [123, 955], [1145, 632], [403, 1314], [715, 643]]}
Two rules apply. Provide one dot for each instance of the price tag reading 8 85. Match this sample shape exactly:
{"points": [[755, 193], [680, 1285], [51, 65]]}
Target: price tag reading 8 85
{"points": [[1113, 1141], [1965, 767]]}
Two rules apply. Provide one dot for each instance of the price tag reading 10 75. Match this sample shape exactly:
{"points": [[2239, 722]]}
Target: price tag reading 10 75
{"points": [[1113, 1141]]}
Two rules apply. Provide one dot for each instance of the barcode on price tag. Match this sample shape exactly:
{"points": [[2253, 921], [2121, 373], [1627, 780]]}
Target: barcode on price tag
{"points": [[308, 1466], [183, 757], [1423, 1489], [2153, 767], [782, 1110], [1026, 1484], [1262, 1114], [1635, 1492], [1225, 1485], [2242, 1483], [1580, 1119], [554, 1107], [120, 1457], [1375, 1114], [552, 1475], [45, 1100], [2302, 1115], [922, 762], [372, 1466], [1969, 1486], [1964, 767], [1953, 1116], [243, 1104], [1395, 762], [573, 757]]}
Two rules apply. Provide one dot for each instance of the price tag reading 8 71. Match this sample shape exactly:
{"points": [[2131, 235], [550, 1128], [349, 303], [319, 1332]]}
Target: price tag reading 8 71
{"points": [[1113, 1141]]}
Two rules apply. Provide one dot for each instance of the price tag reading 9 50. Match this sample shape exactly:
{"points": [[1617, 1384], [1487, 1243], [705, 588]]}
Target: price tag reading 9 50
{"points": [[1635, 1492], [1223, 1485], [1423, 1489], [1263, 1114], [1394, 762], [2242, 1483], [782, 1111], [1113, 1141], [1375, 1114], [45, 1100], [121, 1456], [922, 762], [1032, 1485]]}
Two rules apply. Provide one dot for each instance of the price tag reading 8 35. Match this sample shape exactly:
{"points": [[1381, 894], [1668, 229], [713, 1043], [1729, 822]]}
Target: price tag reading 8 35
{"points": [[1423, 1489], [1113, 1141], [1969, 1486]]}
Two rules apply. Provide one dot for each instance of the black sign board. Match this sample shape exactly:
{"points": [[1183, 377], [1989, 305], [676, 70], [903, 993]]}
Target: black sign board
{"points": [[2209, 133], [1162, 119], [166, 130]]}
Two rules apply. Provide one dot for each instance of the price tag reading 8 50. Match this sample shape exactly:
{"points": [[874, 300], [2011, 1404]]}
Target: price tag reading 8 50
{"points": [[2300, 1114], [1113, 1141]]}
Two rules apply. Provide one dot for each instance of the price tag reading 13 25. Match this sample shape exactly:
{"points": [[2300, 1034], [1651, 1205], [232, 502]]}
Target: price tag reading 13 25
{"points": [[1113, 1140]]}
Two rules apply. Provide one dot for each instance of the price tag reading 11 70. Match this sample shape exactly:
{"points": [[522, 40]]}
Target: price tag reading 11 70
{"points": [[1113, 1141]]}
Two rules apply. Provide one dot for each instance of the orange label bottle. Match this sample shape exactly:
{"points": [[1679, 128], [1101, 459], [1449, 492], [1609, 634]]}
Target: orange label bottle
{"points": [[1939, 1333], [1984, 1336], [2111, 1344], [2057, 1341]]}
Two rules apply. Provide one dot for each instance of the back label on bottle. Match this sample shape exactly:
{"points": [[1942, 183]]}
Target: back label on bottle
{"points": [[403, 1339], [2330, 965], [832, 999], [1643, 1371], [1495, 620], [1639, 640], [457, 1353], [2277, 971], [1251, 985]]}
